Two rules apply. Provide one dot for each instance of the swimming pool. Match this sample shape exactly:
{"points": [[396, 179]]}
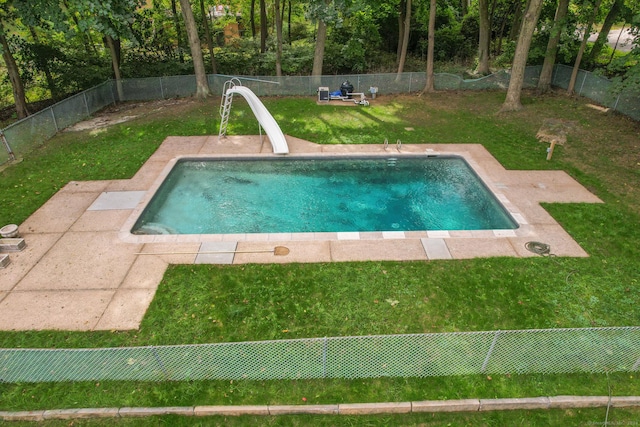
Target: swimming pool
{"points": [[328, 194]]}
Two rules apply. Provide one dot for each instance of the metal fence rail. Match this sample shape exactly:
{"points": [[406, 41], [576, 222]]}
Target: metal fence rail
{"points": [[26, 134], [594, 350]]}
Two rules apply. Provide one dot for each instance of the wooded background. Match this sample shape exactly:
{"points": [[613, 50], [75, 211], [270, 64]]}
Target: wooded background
{"points": [[54, 48]]}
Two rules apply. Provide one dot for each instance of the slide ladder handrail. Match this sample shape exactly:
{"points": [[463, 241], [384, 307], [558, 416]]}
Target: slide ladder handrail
{"points": [[225, 105]]}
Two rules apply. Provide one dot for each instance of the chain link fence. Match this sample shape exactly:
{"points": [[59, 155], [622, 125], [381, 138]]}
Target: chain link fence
{"points": [[36, 129], [548, 351]]}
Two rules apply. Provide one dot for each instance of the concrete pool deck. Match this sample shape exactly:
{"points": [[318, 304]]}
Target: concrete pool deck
{"points": [[82, 269]]}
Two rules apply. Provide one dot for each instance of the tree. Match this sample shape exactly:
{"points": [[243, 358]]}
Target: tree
{"points": [[115, 63], [484, 38], [111, 18], [252, 18], [321, 11], [611, 19], [207, 35], [529, 21], [278, 38], [544, 83], [406, 27], [41, 60], [176, 23], [263, 26], [14, 75], [583, 45], [202, 85], [429, 86]]}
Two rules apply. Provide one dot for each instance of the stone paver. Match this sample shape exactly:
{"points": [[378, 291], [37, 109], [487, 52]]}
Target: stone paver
{"points": [[460, 405], [461, 248], [205, 411], [5, 260], [117, 200], [374, 408], [81, 268], [146, 412], [564, 402], [216, 253], [514, 403], [299, 251], [37, 310], [22, 262], [303, 409], [59, 213], [436, 248], [126, 309], [81, 260], [388, 250], [110, 220], [81, 413]]}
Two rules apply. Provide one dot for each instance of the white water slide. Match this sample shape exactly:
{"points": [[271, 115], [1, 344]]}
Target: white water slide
{"points": [[266, 120]]}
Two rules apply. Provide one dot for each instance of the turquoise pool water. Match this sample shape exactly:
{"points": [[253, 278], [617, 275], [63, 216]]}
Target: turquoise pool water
{"points": [[321, 195]]}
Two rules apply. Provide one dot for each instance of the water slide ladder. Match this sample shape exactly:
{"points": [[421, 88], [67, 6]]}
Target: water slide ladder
{"points": [[265, 119], [225, 106]]}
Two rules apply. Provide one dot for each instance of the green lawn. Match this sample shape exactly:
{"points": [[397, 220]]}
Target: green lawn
{"points": [[208, 303]]}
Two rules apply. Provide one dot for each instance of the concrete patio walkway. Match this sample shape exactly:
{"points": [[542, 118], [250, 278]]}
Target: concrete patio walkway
{"points": [[81, 269]]}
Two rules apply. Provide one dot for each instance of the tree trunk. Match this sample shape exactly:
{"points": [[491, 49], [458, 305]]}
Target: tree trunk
{"points": [[276, 5], [115, 64], [176, 23], [529, 21], [44, 63], [464, 6], [289, 23], [429, 86], [263, 26], [252, 19], [517, 20], [318, 55], [207, 35], [401, 13], [405, 40], [544, 83], [583, 45], [484, 39], [514, 5], [615, 46], [14, 76], [202, 85], [611, 19]]}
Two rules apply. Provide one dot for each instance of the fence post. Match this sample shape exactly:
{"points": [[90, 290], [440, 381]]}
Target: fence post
{"points": [[488, 356], [410, 78], [161, 88], [86, 104], [583, 80], [113, 98], [157, 357], [53, 116], [615, 105], [324, 357], [12, 156]]}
